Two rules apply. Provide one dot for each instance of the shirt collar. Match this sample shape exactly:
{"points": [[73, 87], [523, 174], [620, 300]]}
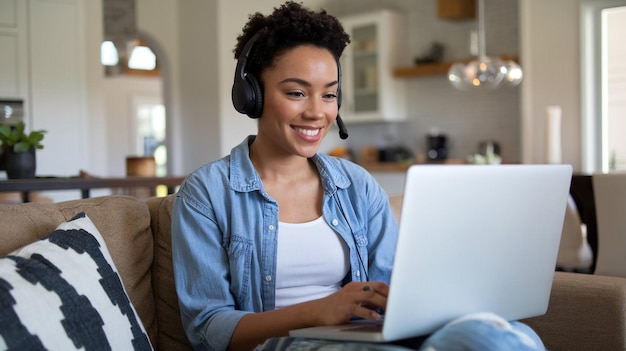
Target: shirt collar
{"points": [[245, 178]]}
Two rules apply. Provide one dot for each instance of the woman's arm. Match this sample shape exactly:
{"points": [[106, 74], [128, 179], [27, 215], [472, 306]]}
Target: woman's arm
{"points": [[201, 271]]}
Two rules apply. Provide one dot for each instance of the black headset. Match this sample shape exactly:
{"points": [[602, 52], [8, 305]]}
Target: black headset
{"points": [[247, 94]]}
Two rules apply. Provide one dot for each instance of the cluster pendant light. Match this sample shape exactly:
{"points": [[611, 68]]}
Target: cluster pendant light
{"points": [[121, 48], [484, 71]]}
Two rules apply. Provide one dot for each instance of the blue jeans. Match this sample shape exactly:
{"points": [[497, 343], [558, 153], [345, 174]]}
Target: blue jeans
{"points": [[475, 332], [485, 332]]}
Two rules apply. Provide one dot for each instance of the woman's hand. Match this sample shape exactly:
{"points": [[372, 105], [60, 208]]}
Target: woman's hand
{"points": [[356, 299]]}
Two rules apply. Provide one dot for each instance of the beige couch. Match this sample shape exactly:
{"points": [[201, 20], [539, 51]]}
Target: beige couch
{"points": [[137, 234], [586, 312]]}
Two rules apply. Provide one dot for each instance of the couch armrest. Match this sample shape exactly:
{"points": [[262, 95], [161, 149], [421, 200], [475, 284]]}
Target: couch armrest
{"points": [[171, 334], [586, 312]]}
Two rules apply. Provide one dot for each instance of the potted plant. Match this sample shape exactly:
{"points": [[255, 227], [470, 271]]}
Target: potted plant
{"points": [[18, 150]]}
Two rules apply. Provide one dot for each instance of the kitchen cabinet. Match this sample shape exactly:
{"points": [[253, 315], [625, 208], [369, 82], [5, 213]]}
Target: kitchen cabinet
{"points": [[13, 50], [370, 92]]}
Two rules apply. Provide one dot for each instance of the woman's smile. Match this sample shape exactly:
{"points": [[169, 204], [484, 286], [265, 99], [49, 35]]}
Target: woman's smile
{"points": [[309, 132]]}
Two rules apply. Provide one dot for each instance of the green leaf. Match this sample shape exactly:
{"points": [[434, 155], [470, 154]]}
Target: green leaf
{"points": [[14, 137], [21, 147], [5, 131]]}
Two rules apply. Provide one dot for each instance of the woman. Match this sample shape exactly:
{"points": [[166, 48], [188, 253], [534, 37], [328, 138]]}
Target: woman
{"points": [[276, 236]]}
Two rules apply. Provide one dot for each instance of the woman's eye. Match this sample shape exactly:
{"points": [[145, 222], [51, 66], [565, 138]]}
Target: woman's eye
{"points": [[295, 93], [330, 96]]}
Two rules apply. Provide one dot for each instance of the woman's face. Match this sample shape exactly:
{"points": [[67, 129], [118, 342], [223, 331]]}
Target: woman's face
{"points": [[300, 101]]}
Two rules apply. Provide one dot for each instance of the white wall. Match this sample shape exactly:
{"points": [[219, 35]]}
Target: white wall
{"points": [[57, 100], [199, 120], [94, 93], [550, 56]]}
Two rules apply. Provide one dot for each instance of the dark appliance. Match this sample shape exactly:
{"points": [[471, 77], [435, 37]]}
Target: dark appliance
{"points": [[437, 147]]}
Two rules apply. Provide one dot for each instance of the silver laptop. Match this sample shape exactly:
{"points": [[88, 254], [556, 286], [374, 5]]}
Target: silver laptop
{"points": [[472, 239]]}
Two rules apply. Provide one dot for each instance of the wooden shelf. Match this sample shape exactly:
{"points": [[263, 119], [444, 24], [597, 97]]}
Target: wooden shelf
{"points": [[456, 9], [426, 69], [433, 69]]}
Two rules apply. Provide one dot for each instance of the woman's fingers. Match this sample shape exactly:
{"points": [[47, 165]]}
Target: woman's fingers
{"points": [[364, 300], [371, 299]]}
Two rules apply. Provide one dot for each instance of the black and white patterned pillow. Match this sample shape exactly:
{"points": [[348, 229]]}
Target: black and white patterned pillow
{"points": [[63, 292]]}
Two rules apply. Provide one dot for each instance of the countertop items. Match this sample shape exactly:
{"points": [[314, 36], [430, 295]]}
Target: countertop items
{"points": [[403, 166]]}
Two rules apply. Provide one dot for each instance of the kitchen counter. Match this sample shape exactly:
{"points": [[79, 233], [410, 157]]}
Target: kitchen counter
{"points": [[403, 166], [391, 175]]}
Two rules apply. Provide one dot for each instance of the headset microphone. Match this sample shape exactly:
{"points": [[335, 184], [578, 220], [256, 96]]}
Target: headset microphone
{"points": [[343, 131]]}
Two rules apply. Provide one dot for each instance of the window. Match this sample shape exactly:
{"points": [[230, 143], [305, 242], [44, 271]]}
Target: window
{"points": [[614, 89], [150, 131], [603, 84]]}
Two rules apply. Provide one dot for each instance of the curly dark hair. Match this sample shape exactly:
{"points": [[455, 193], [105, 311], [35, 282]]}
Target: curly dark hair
{"points": [[290, 25]]}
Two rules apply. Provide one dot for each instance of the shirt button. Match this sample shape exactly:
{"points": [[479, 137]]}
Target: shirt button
{"points": [[271, 227], [268, 278], [358, 273], [335, 222]]}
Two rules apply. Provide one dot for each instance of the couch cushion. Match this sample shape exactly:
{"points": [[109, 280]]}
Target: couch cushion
{"points": [[171, 334], [64, 292], [585, 312], [124, 223]]}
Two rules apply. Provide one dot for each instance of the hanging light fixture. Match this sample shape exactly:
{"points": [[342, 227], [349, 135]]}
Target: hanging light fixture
{"points": [[484, 71], [120, 33]]}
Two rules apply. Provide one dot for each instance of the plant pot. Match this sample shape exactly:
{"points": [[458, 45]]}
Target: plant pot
{"points": [[20, 165], [2, 160]]}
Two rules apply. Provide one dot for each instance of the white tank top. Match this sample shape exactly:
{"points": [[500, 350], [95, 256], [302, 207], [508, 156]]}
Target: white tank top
{"points": [[312, 262]]}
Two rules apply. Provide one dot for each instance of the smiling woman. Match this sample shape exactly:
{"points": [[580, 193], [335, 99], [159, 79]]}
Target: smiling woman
{"points": [[318, 238]]}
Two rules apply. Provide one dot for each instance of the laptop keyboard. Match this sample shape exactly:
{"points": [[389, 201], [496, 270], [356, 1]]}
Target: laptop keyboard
{"points": [[367, 328]]}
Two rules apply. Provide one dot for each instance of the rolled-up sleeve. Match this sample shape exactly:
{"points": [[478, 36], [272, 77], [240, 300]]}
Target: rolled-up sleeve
{"points": [[201, 270]]}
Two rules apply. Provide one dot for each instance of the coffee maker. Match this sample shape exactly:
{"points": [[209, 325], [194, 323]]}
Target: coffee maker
{"points": [[437, 146]]}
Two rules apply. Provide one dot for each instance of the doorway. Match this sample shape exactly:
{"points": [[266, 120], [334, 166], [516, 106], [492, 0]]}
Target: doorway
{"points": [[148, 131]]}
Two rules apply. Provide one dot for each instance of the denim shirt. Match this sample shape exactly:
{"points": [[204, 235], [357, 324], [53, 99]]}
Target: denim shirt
{"points": [[224, 239]]}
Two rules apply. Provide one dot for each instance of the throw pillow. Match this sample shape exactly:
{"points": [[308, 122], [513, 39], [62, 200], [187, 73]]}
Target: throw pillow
{"points": [[64, 292]]}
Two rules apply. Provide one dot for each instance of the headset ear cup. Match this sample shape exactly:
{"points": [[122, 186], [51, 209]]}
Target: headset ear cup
{"points": [[256, 103], [239, 95], [247, 96], [246, 93]]}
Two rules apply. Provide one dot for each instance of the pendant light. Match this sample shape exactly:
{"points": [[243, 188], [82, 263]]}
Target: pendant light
{"points": [[484, 71], [120, 34]]}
